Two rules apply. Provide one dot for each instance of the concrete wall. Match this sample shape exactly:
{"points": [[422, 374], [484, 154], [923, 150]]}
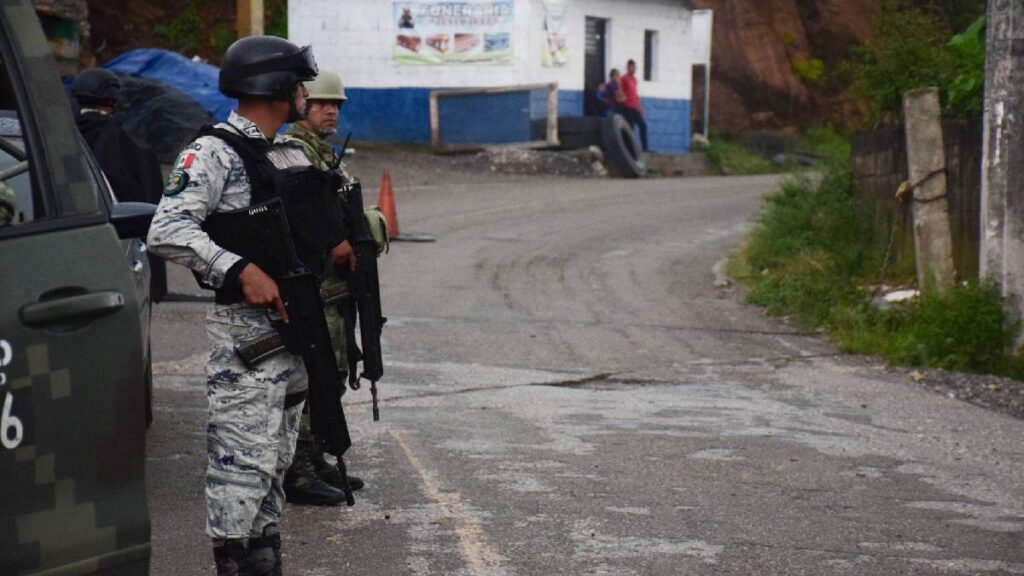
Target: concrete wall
{"points": [[390, 102], [880, 165]]}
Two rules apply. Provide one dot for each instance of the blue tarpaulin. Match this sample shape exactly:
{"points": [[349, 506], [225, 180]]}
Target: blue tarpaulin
{"points": [[196, 79]]}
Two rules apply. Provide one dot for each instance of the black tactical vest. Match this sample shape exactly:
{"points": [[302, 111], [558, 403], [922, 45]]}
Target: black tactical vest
{"points": [[313, 209]]}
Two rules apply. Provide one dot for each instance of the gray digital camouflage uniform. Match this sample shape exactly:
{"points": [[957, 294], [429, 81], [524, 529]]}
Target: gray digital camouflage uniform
{"points": [[250, 435]]}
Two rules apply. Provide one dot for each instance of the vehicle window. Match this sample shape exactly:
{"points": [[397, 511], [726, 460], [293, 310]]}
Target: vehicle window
{"points": [[43, 181], [16, 186], [17, 202]]}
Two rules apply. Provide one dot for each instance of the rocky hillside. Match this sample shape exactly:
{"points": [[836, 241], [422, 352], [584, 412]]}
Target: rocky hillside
{"points": [[771, 61]]}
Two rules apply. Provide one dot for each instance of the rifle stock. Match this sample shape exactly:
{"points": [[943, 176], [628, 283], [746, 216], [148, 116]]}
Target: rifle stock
{"points": [[262, 347]]}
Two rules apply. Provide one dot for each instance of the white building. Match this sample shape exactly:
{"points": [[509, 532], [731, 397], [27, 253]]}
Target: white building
{"points": [[392, 53]]}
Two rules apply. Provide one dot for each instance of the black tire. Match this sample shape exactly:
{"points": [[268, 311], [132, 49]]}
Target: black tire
{"points": [[576, 132], [623, 152]]}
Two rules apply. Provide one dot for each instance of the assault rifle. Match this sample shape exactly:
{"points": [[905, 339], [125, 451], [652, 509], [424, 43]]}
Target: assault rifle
{"points": [[306, 334], [359, 294], [363, 301]]}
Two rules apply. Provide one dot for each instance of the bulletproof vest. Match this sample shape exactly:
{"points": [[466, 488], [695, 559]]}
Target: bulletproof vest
{"points": [[314, 212]]}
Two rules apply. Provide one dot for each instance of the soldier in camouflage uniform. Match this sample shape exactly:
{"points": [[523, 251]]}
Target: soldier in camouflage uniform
{"points": [[253, 415], [323, 108]]}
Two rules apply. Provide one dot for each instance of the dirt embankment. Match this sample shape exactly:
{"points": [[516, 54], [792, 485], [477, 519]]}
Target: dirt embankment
{"points": [[771, 61]]}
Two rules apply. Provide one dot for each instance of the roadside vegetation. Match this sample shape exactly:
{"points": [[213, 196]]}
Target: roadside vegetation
{"points": [[915, 47], [816, 253], [814, 256]]}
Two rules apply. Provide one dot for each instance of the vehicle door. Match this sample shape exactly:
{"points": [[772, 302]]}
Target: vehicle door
{"points": [[72, 418]]}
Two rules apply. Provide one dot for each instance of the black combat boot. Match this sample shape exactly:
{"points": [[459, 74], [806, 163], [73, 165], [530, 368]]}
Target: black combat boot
{"points": [[330, 473], [265, 553], [303, 486], [231, 557]]}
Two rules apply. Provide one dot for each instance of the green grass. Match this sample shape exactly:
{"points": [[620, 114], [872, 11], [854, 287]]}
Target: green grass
{"points": [[811, 255], [728, 157], [827, 143]]}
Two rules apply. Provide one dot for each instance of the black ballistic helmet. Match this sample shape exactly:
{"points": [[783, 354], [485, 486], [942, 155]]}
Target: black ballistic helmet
{"points": [[265, 67], [97, 87]]}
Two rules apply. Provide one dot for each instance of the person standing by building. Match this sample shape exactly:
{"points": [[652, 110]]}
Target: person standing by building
{"points": [[632, 110], [610, 94], [253, 413], [310, 479]]}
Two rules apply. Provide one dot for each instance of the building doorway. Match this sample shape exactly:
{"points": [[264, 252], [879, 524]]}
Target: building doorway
{"points": [[595, 64]]}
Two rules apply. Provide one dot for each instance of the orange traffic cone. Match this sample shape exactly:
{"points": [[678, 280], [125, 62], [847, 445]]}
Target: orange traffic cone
{"points": [[386, 203]]}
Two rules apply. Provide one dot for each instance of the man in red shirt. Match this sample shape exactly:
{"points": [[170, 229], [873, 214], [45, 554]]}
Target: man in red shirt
{"points": [[632, 111]]}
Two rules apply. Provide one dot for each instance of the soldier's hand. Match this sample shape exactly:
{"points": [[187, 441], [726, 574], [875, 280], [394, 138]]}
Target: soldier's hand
{"points": [[260, 290], [343, 254]]}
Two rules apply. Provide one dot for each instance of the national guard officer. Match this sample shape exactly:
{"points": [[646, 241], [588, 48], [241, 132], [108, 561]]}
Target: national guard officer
{"points": [[303, 483], [253, 414]]}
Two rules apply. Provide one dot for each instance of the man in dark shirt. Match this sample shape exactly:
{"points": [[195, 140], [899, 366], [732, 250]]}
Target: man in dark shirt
{"points": [[132, 171], [632, 110]]}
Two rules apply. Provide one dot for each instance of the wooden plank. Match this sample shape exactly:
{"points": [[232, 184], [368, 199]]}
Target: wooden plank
{"points": [[492, 90], [435, 123], [553, 114]]}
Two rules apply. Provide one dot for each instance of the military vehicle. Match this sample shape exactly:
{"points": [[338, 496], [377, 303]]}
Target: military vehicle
{"points": [[74, 333]]}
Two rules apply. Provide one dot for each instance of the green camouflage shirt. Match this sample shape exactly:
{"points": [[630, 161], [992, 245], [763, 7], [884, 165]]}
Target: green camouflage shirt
{"points": [[317, 149]]}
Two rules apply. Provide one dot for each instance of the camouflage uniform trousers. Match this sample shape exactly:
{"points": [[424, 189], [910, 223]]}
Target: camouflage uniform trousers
{"points": [[250, 434]]}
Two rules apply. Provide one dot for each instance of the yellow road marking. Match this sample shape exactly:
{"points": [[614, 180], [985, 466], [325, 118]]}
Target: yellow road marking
{"points": [[482, 558]]}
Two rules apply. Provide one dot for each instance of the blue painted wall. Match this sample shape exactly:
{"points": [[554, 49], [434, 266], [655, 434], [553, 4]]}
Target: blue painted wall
{"points": [[387, 114], [668, 125], [403, 115], [570, 103]]}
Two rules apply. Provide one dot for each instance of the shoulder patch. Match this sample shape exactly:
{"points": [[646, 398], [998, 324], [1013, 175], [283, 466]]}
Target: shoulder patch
{"points": [[176, 182]]}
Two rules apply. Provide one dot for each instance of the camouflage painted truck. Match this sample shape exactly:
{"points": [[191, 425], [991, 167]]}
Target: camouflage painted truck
{"points": [[74, 333]]}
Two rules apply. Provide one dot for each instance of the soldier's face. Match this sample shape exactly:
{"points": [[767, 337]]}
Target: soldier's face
{"points": [[323, 116]]}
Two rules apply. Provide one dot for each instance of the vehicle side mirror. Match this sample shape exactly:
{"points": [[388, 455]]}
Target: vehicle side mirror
{"points": [[131, 219]]}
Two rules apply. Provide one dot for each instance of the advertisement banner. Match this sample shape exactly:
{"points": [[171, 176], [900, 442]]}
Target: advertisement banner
{"points": [[555, 52], [440, 32]]}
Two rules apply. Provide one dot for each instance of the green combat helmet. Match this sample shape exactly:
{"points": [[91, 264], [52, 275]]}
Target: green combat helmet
{"points": [[326, 86]]}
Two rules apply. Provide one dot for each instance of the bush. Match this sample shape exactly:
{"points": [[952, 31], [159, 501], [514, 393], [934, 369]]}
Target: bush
{"points": [[963, 329], [912, 48], [803, 215], [186, 32], [812, 248]]}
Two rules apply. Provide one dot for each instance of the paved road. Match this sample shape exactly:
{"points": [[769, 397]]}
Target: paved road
{"points": [[569, 393]]}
